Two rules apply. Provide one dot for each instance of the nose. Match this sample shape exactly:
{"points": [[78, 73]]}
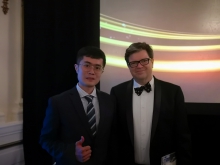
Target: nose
{"points": [[91, 71]]}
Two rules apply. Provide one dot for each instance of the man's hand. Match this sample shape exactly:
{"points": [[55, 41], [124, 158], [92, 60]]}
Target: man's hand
{"points": [[82, 153]]}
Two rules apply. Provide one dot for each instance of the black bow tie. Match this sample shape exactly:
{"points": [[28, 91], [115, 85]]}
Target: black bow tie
{"points": [[146, 87]]}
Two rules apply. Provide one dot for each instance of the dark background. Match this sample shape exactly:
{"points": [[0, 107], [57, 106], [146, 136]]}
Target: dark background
{"points": [[53, 33]]}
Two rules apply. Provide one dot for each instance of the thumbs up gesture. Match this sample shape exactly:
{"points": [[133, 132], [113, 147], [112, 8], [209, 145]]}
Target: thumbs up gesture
{"points": [[82, 153]]}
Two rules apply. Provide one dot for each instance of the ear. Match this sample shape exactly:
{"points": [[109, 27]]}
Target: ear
{"points": [[76, 68]]}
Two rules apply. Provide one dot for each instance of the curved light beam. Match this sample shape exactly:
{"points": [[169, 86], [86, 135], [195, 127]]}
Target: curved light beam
{"points": [[177, 66], [128, 28], [162, 48]]}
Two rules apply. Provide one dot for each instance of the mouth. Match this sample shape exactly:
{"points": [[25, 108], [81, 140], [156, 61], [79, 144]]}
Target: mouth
{"points": [[140, 71], [90, 78]]}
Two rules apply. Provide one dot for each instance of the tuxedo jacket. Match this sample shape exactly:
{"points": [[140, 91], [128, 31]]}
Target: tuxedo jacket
{"points": [[169, 131], [65, 122]]}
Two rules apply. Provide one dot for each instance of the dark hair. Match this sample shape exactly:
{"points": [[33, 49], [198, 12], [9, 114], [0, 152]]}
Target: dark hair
{"points": [[91, 51], [136, 47]]}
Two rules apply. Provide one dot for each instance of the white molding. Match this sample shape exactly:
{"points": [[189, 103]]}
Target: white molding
{"points": [[11, 132], [12, 156]]}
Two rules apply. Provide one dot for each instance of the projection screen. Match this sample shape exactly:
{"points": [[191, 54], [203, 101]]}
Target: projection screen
{"points": [[185, 37]]}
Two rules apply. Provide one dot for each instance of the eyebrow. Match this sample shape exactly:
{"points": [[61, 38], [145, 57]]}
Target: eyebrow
{"points": [[91, 63]]}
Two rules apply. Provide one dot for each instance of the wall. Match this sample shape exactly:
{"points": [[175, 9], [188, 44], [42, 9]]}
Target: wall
{"points": [[10, 63], [11, 148], [11, 84]]}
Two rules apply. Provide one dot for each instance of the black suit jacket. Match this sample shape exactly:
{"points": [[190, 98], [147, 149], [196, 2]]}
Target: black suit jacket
{"points": [[169, 132], [65, 122]]}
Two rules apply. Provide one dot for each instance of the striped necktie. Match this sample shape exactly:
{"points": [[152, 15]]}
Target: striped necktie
{"points": [[91, 114]]}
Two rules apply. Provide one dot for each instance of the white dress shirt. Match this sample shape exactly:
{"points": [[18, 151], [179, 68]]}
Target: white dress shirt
{"points": [[142, 117], [95, 102]]}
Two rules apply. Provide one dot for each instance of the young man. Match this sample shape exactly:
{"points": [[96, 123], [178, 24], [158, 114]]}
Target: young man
{"points": [[152, 119], [79, 123]]}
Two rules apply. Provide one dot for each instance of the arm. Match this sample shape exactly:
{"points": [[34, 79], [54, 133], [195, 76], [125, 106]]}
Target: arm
{"points": [[49, 138]]}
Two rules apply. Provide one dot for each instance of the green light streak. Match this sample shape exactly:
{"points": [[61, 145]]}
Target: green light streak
{"points": [[116, 61], [162, 48], [139, 31], [114, 42]]}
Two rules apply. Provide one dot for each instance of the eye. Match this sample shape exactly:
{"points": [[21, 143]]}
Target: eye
{"points": [[145, 61], [98, 67], [87, 65], [133, 63]]}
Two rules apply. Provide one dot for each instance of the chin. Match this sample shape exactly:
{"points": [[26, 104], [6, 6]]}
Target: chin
{"points": [[140, 77], [91, 84]]}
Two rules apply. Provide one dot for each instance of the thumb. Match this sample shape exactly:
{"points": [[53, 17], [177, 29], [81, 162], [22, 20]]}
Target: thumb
{"points": [[80, 142], [82, 139]]}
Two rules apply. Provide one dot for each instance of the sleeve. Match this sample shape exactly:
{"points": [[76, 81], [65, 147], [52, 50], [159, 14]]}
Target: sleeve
{"points": [[49, 137]]}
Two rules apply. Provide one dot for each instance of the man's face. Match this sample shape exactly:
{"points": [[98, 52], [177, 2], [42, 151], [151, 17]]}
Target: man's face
{"points": [[142, 73], [88, 73]]}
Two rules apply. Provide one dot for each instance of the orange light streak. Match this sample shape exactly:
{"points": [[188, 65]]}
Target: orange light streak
{"points": [[187, 66], [172, 66]]}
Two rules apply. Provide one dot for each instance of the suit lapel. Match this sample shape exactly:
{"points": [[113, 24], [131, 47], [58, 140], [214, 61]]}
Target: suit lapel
{"points": [[78, 106], [157, 105], [102, 105], [129, 107]]}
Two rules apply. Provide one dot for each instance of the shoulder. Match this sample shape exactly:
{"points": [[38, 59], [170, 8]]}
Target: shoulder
{"points": [[165, 83], [63, 94], [103, 94], [168, 87]]}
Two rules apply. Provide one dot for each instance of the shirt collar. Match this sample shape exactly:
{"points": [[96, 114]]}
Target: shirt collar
{"points": [[136, 85], [82, 93]]}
